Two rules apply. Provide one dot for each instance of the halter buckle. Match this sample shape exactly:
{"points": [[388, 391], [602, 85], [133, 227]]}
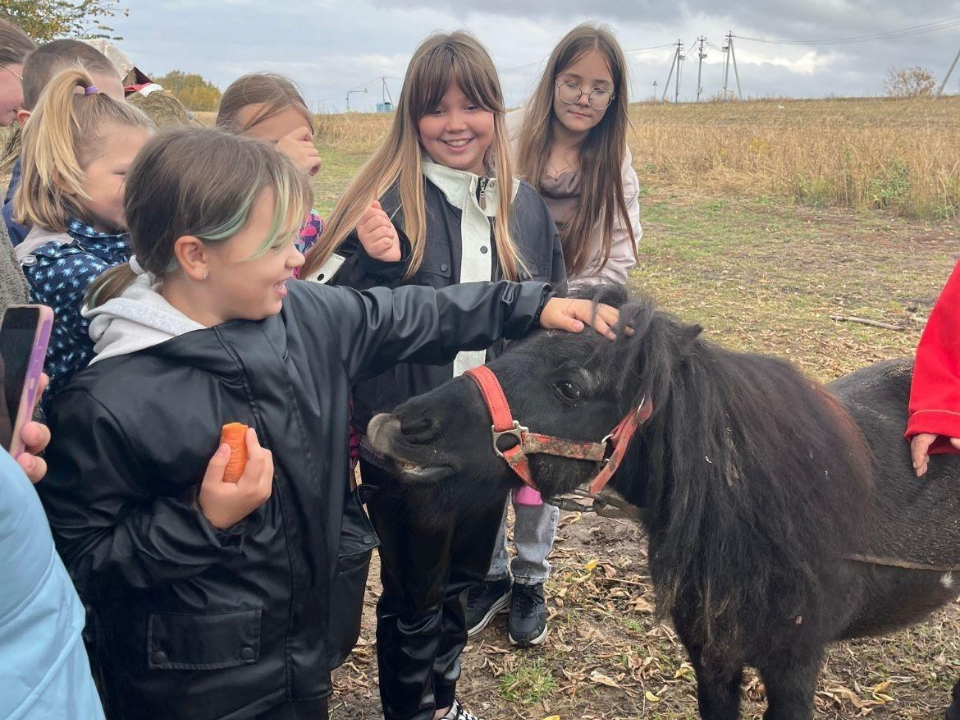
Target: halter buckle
{"points": [[517, 431]]}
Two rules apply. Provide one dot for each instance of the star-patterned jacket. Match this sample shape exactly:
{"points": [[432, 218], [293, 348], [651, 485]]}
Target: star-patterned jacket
{"points": [[59, 273]]}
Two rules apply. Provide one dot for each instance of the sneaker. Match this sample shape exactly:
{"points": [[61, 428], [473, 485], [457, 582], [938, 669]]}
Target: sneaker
{"points": [[528, 615], [457, 712], [485, 601]]}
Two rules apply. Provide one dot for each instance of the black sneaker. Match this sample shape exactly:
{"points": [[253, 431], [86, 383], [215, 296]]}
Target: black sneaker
{"points": [[528, 615], [485, 601]]}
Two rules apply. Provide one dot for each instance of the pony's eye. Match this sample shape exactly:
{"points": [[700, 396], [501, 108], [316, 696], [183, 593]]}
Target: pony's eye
{"points": [[569, 390]]}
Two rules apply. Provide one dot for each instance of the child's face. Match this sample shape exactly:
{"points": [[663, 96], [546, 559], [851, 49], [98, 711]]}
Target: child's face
{"points": [[590, 72], [105, 173], [11, 93], [274, 127], [242, 286], [458, 132]]}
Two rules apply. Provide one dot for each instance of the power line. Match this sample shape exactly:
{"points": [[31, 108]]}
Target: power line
{"points": [[935, 26]]}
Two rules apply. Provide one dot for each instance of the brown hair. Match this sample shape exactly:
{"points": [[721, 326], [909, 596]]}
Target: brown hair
{"points": [[15, 45], [54, 57], [602, 152], [201, 182], [274, 93], [58, 142], [439, 62]]}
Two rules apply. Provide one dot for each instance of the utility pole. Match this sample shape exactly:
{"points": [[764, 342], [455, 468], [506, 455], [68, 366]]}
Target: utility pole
{"points": [[349, 93], [674, 64], [728, 49], [700, 67], [655, 91], [680, 58], [949, 73], [736, 72]]}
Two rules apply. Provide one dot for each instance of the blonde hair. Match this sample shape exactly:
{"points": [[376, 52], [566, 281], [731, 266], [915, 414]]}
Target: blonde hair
{"points": [[274, 93], [202, 182], [439, 62], [59, 140], [602, 152]]}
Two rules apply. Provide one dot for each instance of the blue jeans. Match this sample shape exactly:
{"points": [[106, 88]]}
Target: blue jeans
{"points": [[533, 535]]}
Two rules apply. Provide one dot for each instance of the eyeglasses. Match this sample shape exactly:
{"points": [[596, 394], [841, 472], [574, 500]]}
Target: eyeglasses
{"points": [[17, 75], [570, 94]]}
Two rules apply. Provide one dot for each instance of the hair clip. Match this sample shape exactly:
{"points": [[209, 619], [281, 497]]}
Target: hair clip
{"points": [[90, 90], [135, 266]]}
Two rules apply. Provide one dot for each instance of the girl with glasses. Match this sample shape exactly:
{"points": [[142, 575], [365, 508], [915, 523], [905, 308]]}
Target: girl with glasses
{"points": [[570, 144]]}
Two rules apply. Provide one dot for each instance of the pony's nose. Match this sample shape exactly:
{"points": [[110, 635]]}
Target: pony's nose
{"points": [[420, 429]]}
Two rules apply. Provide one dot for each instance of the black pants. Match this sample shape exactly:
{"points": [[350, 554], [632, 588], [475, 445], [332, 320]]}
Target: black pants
{"points": [[298, 710], [429, 558]]}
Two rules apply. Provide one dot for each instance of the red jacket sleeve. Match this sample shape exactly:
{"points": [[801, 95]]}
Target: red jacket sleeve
{"points": [[935, 393]]}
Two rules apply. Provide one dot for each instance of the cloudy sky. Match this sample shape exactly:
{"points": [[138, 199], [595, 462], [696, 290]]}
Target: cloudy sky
{"points": [[332, 46]]}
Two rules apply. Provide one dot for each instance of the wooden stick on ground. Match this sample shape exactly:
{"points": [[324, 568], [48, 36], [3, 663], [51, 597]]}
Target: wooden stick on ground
{"points": [[864, 321]]}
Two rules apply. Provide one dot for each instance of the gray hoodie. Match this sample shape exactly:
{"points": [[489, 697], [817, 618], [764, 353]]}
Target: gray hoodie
{"points": [[138, 319]]}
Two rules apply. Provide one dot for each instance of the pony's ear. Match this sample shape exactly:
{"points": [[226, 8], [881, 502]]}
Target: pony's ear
{"points": [[608, 293], [688, 336]]}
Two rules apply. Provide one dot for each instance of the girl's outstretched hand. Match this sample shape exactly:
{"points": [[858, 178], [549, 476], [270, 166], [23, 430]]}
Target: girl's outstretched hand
{"points": [[299, 147], [920, 450], [225, 504], [573, 315], [378, 235]]}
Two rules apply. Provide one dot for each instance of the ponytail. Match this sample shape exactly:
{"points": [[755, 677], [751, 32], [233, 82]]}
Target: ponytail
{"points": [[59, 139], [109, 285]]}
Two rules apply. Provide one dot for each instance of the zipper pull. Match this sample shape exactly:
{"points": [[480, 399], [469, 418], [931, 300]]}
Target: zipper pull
{"points": [[482, 194]]}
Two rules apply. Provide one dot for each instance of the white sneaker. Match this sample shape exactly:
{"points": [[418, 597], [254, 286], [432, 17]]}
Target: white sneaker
{"points": [[457, 712]]}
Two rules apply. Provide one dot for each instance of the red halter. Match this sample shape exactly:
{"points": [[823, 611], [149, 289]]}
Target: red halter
{"points": [[609, 452]]}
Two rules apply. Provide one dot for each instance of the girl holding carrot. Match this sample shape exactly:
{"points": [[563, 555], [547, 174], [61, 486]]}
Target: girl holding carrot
{"points": [[212, 599]]}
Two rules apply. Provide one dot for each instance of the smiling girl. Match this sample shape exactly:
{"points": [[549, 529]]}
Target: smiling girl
{"points": [[213, 599], [441, 185]]}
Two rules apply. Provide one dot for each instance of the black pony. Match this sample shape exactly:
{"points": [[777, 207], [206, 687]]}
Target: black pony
{"points": [[781, 516]]}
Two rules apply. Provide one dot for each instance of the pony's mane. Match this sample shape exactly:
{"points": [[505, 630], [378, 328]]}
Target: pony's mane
{"points": [[754, 476]]}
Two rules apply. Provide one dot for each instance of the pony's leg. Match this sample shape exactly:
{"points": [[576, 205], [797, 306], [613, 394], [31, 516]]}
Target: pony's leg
{"points": [[718, 688], [953, 712], [791, 687]]}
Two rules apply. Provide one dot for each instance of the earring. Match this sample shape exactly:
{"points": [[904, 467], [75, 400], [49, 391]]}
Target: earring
{"points": [[205, 275]]}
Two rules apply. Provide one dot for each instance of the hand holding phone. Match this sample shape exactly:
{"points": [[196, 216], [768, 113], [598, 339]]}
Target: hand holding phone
{"points": [[24, 334]]}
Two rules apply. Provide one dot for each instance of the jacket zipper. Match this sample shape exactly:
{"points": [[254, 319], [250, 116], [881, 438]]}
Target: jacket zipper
{"points": [[482, 192]]}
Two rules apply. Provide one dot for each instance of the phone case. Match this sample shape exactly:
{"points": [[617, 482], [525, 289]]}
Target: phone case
{"points": [[31, 383]]}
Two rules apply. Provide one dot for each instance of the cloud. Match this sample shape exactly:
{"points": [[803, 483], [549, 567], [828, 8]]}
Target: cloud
{"points": [[330, 46]]}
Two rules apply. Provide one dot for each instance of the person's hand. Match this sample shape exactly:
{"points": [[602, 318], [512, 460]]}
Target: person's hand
{"points": [[378, 235], [573, 315], [225, 504], [35, 437], [920, 450], [299, 147]]}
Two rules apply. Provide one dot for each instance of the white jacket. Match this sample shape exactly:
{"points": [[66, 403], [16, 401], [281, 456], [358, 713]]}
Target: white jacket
{"points": [[622, 258]]}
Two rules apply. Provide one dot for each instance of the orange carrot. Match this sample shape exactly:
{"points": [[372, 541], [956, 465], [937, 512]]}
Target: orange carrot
{"points": [[235, 435]]}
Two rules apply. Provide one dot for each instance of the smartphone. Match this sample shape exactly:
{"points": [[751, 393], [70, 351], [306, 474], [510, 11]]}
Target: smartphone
{"points": [[24, 335]]}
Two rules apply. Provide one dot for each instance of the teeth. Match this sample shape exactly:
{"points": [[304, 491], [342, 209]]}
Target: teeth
{"points": [[457, 143]]}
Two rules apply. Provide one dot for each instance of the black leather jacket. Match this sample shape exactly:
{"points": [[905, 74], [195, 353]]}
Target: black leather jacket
{"points": [[199, 623], [534, 233]]}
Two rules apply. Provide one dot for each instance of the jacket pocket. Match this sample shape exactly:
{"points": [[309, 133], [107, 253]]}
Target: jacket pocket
{"points": [[357, 540], [177, 641], [434, 271]]}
